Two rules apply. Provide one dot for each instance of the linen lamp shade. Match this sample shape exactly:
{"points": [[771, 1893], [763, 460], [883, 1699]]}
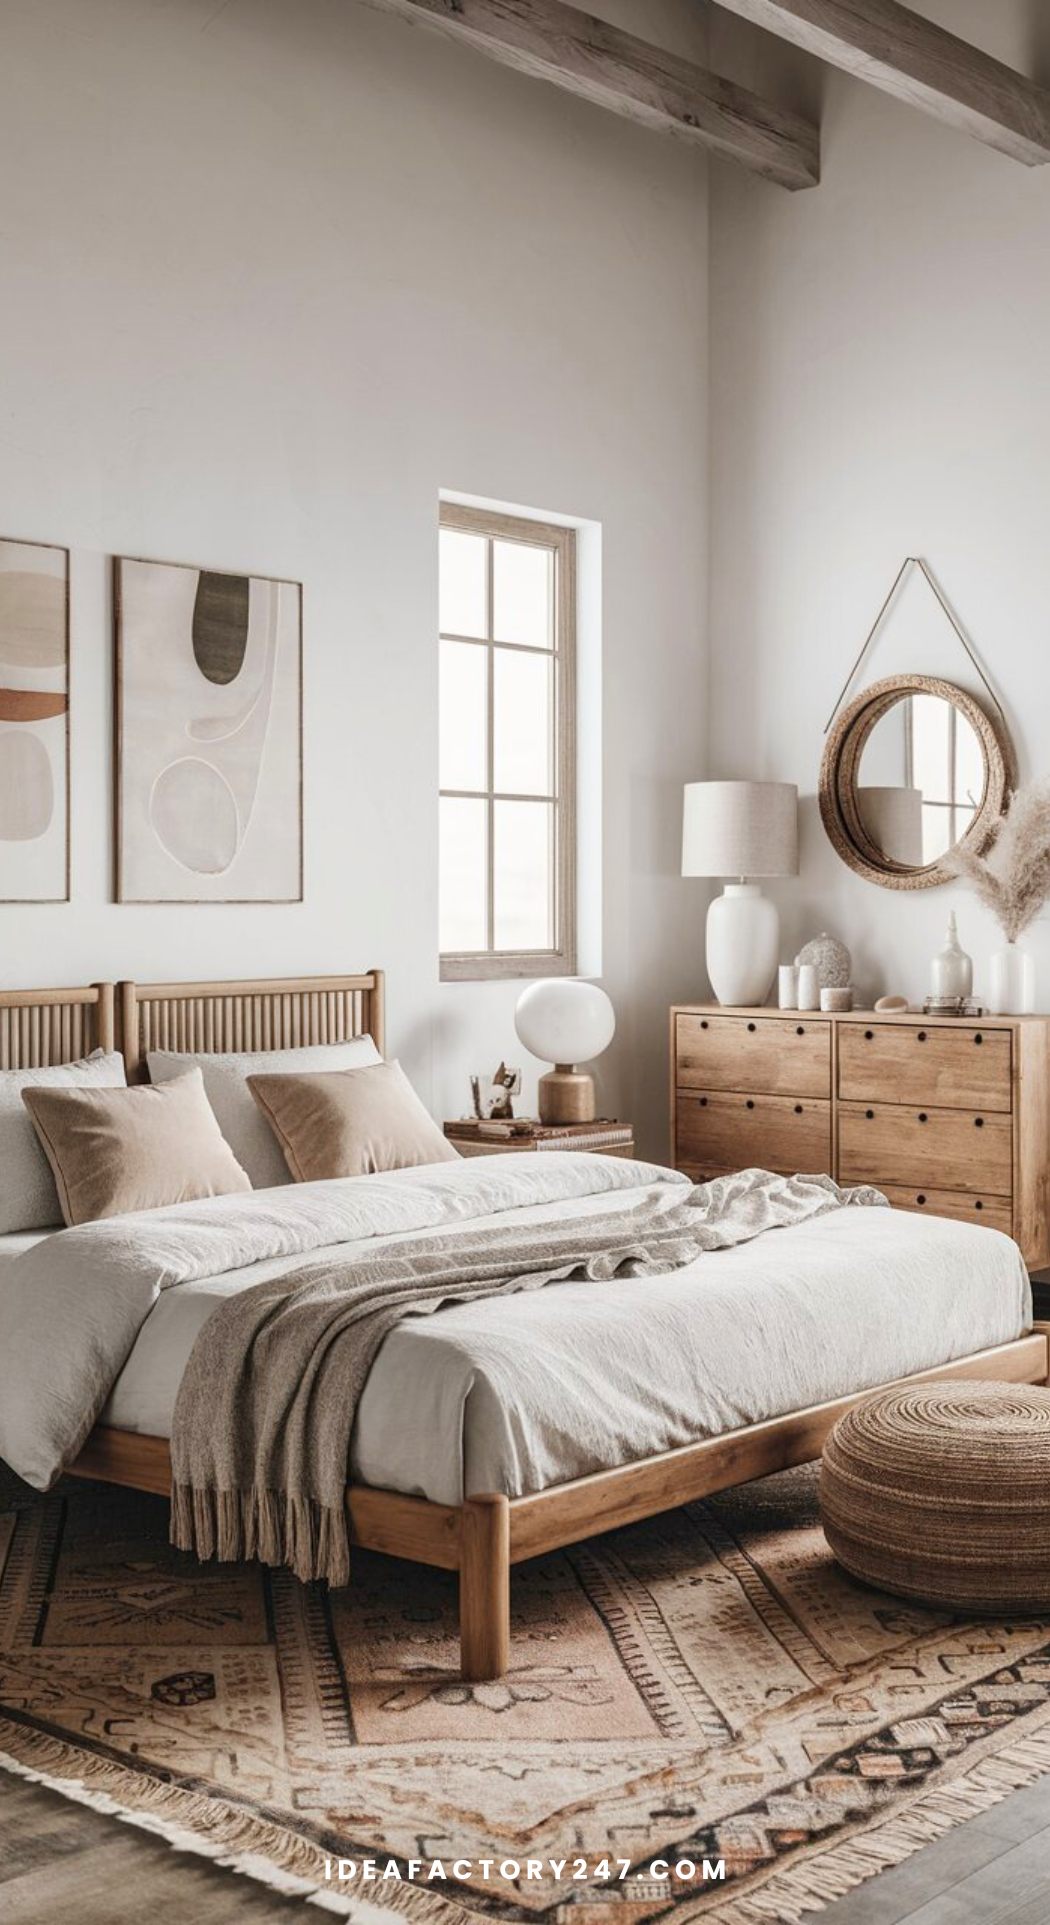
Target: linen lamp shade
{"points": [[743, 829], [892, 820]]}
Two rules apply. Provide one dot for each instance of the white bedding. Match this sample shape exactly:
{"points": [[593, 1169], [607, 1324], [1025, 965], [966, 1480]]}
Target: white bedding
{"points": [[520, 1392], [15, 1243]]}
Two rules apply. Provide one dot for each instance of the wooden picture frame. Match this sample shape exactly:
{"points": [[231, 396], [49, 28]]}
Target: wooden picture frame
{"points": [[215, 810], [25, 709]]}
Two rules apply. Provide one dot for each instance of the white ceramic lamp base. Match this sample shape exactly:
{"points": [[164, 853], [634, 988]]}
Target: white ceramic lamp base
{"points": [[743, 945]]}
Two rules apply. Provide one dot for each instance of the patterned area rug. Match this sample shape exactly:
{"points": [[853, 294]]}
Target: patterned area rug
{"points": [[705, 1685]]}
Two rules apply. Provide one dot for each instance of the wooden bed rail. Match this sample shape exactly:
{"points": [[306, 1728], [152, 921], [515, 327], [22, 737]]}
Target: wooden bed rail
{"points": [[486, 1535], [40, 1027], [284, 1012]]}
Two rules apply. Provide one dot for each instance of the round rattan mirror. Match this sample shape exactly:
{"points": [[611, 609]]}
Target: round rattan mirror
{"points": [[912, 768]]}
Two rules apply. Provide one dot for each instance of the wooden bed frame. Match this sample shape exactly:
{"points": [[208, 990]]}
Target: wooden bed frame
{"points": [[487, 1534]]}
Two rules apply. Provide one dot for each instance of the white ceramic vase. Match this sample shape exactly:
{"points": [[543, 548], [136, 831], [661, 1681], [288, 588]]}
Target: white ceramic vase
{"points": [[1011, 982], [743, 943]]}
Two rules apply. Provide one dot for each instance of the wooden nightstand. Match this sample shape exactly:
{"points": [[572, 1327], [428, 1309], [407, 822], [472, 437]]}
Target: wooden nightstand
{"points": [[949, 1117], [603, 1138]]}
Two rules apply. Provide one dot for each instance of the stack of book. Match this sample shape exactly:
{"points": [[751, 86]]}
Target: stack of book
{"points": [[525, 1133]]}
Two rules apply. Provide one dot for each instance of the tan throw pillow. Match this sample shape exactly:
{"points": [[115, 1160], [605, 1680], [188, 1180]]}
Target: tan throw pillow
{"points": [[349, 1122], [114, 1150]]}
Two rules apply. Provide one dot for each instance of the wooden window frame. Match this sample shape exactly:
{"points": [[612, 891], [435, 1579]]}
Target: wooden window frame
{"points": [[496, 964]]}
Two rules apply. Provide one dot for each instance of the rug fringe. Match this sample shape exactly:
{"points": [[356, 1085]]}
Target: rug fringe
{"points": [[254, 1847], [238, 1841], [813, 1883]]}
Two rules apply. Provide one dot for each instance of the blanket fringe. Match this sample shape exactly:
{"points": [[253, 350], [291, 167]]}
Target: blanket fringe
{"points": [[275, 1526]]}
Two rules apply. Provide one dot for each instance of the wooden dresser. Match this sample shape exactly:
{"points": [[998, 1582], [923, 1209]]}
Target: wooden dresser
{"points": [[948, 1117]]}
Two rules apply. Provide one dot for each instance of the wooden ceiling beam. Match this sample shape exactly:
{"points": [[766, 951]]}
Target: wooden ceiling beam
{"points": [[906, 55], [616, 70]]}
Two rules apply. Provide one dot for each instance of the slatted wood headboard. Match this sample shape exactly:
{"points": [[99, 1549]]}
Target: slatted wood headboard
{"points": [[282, 1014], [39, 1027]]}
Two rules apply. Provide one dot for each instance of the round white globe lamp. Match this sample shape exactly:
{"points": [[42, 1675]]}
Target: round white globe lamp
{"points": [[565, 1022]]}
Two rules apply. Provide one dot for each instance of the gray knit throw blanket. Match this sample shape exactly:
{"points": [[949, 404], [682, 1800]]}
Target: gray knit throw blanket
{"points": [[260, 1440]]}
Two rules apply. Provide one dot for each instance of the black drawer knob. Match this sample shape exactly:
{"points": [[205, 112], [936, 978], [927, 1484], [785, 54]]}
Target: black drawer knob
{"points": [[870, 1114], [920, 1199], [922, 1035], [798, 1109], [978, 1122], [703, 1102], [978, 1205], [869, 1035], [751, 1027], [703, 1022], [800, 1029], [978, 1038], [923, 1118], [750, 1102]]}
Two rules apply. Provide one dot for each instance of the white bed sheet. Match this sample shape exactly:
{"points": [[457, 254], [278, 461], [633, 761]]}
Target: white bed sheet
{"points": [[15, 1242], [519, 1393]]}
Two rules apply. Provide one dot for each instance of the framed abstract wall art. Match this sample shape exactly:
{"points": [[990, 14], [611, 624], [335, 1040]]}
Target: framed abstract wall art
{"points": [[34, 722], [209, 735]]}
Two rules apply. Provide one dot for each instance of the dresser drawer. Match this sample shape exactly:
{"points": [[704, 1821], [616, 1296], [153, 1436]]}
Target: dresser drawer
{"points": [[995, 1212], [718, 1132], [945, 1066], [917, 1149], [767, 1055]]}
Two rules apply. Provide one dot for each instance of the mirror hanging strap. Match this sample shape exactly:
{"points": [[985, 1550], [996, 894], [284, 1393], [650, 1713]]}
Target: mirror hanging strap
{"points": [[909, 562]]}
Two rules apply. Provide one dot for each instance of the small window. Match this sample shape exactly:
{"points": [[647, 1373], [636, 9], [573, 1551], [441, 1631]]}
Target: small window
{"points": [[507, 746]]}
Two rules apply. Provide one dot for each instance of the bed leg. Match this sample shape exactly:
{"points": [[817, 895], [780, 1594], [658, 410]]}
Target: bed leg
{"points": [[484, 1588]]}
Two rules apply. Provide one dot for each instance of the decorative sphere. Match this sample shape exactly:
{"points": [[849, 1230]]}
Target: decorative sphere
{"points": [[831, 959], [563, 1020]]}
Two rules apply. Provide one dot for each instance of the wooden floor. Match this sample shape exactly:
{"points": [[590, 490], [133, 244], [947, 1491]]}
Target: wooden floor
{"points": [[993, 1871], [59, 1860]]}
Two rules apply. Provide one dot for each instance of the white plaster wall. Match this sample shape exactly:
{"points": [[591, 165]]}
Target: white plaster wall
{"points": [[271, 275], [879, 368]]}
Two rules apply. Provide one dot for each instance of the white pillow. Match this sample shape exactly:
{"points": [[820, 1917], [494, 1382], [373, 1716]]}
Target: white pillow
{"points": [[28, 1198], [226, 1087]]}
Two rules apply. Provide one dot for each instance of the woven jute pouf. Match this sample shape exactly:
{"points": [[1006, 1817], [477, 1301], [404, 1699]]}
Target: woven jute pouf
{"points": [[941, 1493]]}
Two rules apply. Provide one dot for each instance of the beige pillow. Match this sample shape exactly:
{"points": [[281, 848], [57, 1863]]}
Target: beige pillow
{"points": [[27, 1190], [113, 1150], [349, 1122], [226, 1088]]}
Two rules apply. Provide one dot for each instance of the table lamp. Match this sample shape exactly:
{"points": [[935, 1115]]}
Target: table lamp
{"points": [[892, 819], [742, 829], [565, 1022]]}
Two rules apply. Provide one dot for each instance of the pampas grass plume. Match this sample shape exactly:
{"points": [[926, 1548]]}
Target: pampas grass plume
{"points": [[1013, 878]]}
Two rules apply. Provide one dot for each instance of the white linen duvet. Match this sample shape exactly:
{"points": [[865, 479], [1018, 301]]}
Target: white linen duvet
{"points": [[509, 1393]]}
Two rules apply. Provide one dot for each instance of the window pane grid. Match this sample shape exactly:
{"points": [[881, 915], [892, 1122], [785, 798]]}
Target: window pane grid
{"points": [[937, 765], [485, 641], [526, 911]]}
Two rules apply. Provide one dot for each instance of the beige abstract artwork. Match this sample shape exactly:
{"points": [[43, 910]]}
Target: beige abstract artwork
{"points": [[209, 748], [34, 722]]}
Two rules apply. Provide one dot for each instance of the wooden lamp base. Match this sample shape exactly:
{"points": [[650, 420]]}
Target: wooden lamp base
{"points": [[566, 1095]]}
